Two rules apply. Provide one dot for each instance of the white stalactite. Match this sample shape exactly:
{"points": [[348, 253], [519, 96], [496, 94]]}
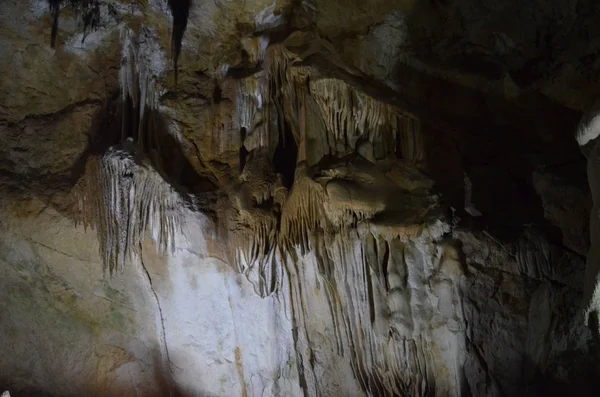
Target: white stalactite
{"points": [[126, 202]]}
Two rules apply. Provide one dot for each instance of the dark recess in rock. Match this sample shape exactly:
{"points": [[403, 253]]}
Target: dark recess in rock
{"points": [[285, 156]]}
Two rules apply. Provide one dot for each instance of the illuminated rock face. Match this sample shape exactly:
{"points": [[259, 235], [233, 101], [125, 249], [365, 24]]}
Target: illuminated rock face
{"points": [[186, 323], [295, 202]]}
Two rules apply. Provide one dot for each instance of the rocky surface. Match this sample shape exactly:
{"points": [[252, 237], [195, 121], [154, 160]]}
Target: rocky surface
{"points": [[313, 198]]}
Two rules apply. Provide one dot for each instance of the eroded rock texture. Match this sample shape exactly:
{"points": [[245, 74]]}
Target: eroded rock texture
{"points": [[298, 198]]}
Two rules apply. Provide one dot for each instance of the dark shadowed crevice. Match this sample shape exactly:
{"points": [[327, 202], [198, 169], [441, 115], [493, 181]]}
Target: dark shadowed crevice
{"points": [[180, 10], [243, 150], [168, 158], [55, 11], [105, 132], [285, 156], [217, 94], [266, 205], [398, 147]]}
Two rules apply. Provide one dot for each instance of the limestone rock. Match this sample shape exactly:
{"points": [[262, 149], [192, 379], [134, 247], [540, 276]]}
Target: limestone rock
{"points": [[297, 198]]}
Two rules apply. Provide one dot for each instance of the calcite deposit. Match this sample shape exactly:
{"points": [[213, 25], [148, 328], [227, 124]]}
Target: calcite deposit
{"points": [[277, 198]]}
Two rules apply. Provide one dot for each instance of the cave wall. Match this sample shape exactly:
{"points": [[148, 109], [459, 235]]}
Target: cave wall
{"points": [[359, 270], [187, 324]]}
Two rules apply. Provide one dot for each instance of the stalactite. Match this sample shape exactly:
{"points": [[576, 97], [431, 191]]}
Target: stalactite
{"points": [[180, 11], [250, 100], [255, 48], [256, 114], [137, 76], [303, 212], [286, 85], [126, 201], [256, 253], [279, 74], [258, 177], [410, 139]]}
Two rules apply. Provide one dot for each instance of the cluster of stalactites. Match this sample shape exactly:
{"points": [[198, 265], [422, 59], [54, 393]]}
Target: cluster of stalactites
{"points": [[125, 202], [137, 77], [331, 116], [255, 114], [338, 206], [266, 97], [279, 72], [350, 114], [351, 117], [256, 255], [378, 292], [122, 196], [92, 14], [410, 138], [326, 116], [254, 233], [320, 212], [303, 212]]}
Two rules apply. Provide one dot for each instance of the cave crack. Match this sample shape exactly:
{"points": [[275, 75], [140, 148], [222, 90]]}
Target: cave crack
{"points": [[163, 336]]}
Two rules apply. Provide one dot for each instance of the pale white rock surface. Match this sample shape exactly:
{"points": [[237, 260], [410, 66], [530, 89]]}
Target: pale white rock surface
{"points": [[198, 328]]}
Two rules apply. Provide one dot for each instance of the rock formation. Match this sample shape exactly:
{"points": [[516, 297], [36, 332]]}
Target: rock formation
{"points": [[298, 198]]}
